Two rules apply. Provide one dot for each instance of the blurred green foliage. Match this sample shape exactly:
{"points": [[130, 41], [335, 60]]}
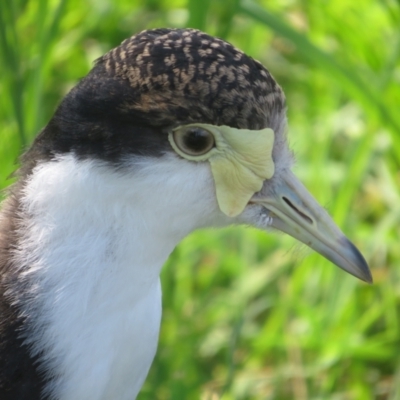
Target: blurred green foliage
{"points": [[244, 318]]}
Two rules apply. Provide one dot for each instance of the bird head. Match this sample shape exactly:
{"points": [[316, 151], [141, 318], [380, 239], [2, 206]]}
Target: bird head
{"points": [[205, 126]]}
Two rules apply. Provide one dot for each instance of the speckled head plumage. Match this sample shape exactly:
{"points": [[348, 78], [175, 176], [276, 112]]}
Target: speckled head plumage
{"points": [[153, 81], [187, 75]]}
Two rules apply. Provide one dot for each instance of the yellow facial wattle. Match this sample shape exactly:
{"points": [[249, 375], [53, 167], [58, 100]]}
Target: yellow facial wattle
{"points": [[240, 162]]}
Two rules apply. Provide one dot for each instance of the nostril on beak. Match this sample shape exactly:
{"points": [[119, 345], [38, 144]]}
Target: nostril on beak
{"points": [[294, 208]]}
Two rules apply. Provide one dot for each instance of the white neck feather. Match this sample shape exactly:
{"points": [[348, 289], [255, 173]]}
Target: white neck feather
{"points": [[93, 243]]}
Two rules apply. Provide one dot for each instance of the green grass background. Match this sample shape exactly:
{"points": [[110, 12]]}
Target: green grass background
{"points": [[249, 315]]}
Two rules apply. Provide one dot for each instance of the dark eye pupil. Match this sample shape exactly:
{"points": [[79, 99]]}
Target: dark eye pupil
{"points": [[196, 139]]}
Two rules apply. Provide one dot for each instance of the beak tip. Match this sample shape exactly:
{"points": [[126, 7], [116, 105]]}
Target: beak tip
{"points": [[362, 270], [366, 277]]}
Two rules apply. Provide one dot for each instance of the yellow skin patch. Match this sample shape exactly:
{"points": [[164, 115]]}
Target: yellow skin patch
{"points": [[240, 162]]}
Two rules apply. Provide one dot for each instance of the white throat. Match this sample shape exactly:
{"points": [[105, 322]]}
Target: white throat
{"points": [[94, 242]]}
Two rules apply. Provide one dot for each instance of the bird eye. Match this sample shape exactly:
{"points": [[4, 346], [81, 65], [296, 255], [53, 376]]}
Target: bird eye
{"points": [[194, 141]]}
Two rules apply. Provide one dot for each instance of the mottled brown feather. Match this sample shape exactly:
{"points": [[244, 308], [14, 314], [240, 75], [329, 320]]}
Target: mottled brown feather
{"points": [[177, 69]]}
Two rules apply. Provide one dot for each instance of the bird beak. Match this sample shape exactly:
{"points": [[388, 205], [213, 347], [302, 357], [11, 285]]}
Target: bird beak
{"points": [[295, 212]]}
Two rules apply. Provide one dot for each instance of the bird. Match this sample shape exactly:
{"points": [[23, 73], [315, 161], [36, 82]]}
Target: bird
{"points": [[171, 131]]}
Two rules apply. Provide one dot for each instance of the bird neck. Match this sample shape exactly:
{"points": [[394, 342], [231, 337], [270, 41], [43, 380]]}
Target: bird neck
{"points": [[87, 223], [92, 243]]}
